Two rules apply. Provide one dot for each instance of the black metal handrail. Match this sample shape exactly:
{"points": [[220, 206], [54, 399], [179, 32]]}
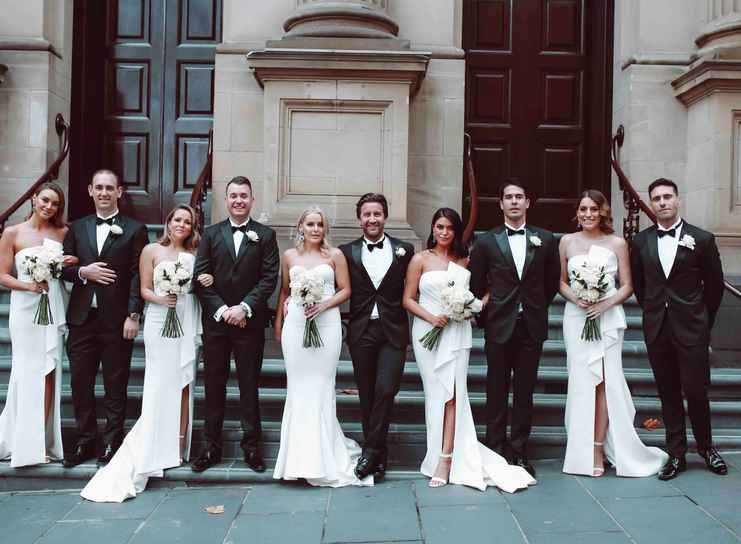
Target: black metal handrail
{"points": [[633, 202], [473, 213], [51, 174], [200, 189]]}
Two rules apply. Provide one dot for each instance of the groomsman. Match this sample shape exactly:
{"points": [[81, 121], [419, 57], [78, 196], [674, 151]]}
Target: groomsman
{"points": [[378, 332], [678, 281], [103, 314], [517, 265], [242, 256]]}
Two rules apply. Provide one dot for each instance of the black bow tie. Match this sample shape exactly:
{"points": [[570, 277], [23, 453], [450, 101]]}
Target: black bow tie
{"points": [[378, 245], [241, 228], [513, 232], [671, 232], [100, 220]]}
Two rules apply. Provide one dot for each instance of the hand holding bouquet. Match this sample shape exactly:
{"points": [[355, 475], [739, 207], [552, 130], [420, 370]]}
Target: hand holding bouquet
{"points": [[42, 266], [590, 282], [173, 278], [458, 304], [307, 289]]}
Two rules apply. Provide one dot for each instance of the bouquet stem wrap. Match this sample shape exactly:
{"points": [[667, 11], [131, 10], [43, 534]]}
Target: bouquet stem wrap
{"points": [[43, 311], [172, 327], [312, 338]]}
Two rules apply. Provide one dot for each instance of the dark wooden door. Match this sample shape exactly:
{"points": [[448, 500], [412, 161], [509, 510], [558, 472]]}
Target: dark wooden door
{"points": [[538, 101], [154, 97]]}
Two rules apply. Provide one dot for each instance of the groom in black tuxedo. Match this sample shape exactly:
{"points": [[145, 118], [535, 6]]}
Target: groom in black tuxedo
{"points": [[518, 266], [103, 314], [242, 256], [678, 281], [378, 332]]}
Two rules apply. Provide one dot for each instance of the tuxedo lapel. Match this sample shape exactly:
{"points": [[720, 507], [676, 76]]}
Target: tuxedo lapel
{"points": [[111, 238], [681, 250], [90, 229], [226, 232], [530, 250], [653, 250], [357, 256], [246, 242], [394, 260], [501, 239]]}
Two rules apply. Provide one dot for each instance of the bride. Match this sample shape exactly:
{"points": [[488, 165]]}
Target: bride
{"points": [[160, 439], [599, 408], [312, 445], [30, 428], [453, 451]]}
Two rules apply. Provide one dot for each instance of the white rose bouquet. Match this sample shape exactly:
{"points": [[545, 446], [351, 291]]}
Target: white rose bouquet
{"points": [[174, 278], [590, 282], [458, 304], [307, 288], [42, 266]]}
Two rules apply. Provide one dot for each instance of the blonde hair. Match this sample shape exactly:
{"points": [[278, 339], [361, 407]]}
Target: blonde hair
{"points": [[325, 247], [192, 241]]}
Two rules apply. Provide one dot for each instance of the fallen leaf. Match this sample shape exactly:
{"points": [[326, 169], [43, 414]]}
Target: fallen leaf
{"points": [[651, 424], [218, 509]]}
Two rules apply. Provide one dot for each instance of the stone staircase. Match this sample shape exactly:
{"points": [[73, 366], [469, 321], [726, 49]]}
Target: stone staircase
{"points": [[407, 433]]}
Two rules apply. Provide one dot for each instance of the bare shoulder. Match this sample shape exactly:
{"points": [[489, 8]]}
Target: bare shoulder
{"points": [[336, 253], [617, 243]]}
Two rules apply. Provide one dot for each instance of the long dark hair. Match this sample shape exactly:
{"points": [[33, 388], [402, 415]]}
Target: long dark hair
{"points": [[605, 212], [458, 248], [58, 219]]}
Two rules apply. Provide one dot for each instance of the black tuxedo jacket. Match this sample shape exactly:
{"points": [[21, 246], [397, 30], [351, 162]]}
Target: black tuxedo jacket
{"points": [[493, 268], [689, 298], [249, 276], [121, 253], [388, 296]]}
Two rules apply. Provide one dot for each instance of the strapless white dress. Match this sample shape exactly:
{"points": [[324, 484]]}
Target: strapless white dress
{"points": [[25, 437], [312, 444], [623, 447], [445, 374], [153, 444]]}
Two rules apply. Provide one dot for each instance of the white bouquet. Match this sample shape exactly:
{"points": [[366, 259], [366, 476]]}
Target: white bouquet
{"points": [[173, 278], [307, 288], [42, 266], [590, 282], [458, 304]]}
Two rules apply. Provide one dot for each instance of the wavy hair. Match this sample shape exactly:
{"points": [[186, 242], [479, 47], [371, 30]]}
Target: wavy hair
{"points": [[193, 239], [57, 219], [605, 212], [325, 247], [458, 248]]}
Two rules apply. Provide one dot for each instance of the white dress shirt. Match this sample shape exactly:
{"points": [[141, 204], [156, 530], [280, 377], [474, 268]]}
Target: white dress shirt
{"points": [[238, 237], [668, 246], [377, 264], [101, 233], [518, 246]]}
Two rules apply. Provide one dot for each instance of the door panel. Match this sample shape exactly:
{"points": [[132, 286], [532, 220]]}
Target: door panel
{"points": [[538, 101]]}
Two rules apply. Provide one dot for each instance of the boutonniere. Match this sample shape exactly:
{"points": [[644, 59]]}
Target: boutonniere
{"points": [[400, 251], [687, 241], [536, 241], [116, 230], [252, 236]]}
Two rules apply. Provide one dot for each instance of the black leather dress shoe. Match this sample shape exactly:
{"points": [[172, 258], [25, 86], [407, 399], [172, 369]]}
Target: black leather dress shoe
{"points": [[672, 468], [714, 461], [254, 460], [80, 454], [380, 472], [207, 459], [109, 450], [521, 461], [364, 468]]}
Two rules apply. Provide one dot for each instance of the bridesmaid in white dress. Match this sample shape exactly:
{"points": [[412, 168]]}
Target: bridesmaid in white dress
{"points": [[453, 451], [312, 444], [599, 408], [160, 439], [30, 430]]}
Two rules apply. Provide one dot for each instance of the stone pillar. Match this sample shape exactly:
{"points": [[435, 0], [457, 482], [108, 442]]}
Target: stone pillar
{"points": [[720, 35], [336, 114]]}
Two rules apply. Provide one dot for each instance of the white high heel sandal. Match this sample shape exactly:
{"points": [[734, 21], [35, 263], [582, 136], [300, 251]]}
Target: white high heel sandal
{"points": [[599, 471], [436, 481]]}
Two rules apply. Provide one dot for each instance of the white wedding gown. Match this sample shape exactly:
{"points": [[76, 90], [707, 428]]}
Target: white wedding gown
{"points": [[36, 351], [153, 444], [444, 375], [312, 444], [585, 360]]}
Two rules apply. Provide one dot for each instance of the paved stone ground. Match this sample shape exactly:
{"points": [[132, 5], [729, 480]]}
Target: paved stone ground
{"points": [[697, 507]]}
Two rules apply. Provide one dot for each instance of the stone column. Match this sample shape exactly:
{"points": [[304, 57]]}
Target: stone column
{"points": [[720, 36]]}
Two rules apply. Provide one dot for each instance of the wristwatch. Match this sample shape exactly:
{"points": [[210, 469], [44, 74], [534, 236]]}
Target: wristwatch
{"points": [[134, 316]]}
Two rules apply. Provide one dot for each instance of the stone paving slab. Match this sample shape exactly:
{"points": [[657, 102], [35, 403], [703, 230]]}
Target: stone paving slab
{"points": [[695, 507]]}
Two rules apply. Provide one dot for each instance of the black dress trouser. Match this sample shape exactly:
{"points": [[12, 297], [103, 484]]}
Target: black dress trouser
{"points": [[378, 366], [515, 361], [89, 345], [678, 369]]}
